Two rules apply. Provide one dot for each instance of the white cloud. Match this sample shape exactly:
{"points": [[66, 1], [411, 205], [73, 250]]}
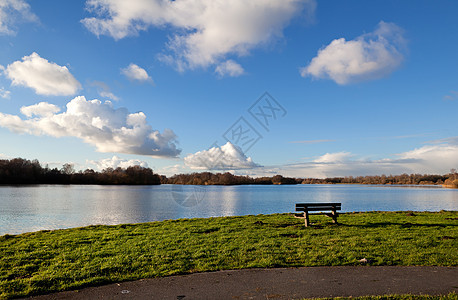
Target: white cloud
{"points": [[109, 95], [117, 162], [134, 72], [429, 159], [333, 157], [41, 109], [173, 170], [13, 11], [205, 30], [4, 93], [103, 90], [46, 78], [227, 157], [437, 159], [229, 68], [98, 124], [450, 140], [369, 56]]}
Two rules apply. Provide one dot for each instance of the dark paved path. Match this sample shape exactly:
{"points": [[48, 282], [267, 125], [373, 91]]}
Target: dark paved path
{"points": [[282, 283]]}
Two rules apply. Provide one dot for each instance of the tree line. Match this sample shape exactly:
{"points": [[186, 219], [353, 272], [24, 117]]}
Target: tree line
{"points": [[414, 179], [207, 178], [23, 171]]}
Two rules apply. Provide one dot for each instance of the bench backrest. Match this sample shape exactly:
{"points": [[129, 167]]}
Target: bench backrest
{"points": [[318, 206]]}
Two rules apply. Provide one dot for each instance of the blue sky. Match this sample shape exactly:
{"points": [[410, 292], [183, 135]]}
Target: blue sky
{"points": [[353, 87]]}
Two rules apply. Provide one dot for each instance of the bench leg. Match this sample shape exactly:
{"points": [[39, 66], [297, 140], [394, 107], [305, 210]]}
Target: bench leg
{"points": [[334, 216], [307, 221]]}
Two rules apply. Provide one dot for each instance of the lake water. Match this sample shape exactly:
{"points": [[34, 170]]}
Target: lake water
{"points": [[32, 208]]}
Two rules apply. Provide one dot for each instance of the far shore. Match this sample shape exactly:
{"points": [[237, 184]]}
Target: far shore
{"points": [[23, 171]]}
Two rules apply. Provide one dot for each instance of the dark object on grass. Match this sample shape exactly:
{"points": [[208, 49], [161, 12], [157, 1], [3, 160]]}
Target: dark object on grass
{"points": [[305, 208]]}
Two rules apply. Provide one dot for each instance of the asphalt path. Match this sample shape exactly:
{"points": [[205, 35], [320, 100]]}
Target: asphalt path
{"points": [[280, 283]]}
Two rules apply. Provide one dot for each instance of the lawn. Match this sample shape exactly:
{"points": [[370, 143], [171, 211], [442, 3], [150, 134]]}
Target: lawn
{"points": [[50, 261], [451, 296]]}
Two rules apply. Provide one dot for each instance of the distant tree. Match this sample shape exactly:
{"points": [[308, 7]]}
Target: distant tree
{"points": [[68, 169]]}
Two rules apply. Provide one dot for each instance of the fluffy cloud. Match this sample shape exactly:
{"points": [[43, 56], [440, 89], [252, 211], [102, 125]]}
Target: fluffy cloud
{"points": [[367, 57], [227, 157], [206, 30], [134, 72], [46, 78], [12, 11], [96, 123], [229, 68], [42, 109], [117, 162]]}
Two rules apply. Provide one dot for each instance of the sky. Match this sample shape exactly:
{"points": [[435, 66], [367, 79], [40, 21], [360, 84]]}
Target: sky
{"points": [[299, 88]]}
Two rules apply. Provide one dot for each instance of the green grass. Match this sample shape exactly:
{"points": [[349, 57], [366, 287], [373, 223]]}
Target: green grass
{"points": [[50, 261], [451, 296]]}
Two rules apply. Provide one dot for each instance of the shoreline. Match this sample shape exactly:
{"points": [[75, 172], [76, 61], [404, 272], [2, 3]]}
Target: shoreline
{"points": [[241, 184]]}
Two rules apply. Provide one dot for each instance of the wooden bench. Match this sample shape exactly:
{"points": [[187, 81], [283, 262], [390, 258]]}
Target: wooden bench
{"points": [[305, 208]]}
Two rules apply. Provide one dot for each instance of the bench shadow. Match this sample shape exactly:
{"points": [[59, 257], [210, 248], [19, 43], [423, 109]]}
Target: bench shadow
{"points": [[320, 225], [402, 225]]}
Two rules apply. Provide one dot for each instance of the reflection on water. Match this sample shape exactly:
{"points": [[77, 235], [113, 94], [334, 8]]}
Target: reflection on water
{"points": [[32, 208]]}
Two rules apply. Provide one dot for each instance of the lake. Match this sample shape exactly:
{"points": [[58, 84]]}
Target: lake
{"points": [[33, 208]]}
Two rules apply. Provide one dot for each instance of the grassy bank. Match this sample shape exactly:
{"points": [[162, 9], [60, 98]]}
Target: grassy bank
{"points": [[48, 261]]}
